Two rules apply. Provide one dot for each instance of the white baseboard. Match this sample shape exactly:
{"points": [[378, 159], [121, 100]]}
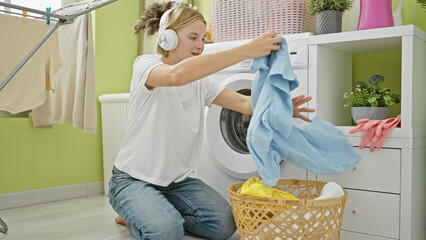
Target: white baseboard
{"points": [[25, 198]]}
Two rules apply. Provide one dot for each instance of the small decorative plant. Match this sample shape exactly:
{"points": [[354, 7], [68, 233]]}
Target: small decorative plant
{"points": [[316, 6], [370, 94]]}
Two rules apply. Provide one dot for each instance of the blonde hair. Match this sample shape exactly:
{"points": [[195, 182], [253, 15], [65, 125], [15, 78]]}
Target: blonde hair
{"points": [[179, 17]]}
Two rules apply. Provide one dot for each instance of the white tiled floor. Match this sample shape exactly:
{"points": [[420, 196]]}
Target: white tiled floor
{"points": [[90, 218]]}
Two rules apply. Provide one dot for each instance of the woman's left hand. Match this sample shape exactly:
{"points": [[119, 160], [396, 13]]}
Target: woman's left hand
{"points": [[297, 112]]}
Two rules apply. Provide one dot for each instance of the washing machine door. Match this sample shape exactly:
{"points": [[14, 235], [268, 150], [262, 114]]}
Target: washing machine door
{"points": [[226, 132]]}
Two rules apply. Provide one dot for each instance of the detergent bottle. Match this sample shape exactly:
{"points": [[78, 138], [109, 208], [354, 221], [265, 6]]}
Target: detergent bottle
{"points": [[378, 13]]}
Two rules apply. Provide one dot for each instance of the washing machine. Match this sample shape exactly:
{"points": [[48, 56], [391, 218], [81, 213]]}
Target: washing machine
{"points": [[225, 158]]}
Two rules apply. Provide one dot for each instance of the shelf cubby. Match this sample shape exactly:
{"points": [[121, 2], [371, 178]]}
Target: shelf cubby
{"points": [[331, 74]]}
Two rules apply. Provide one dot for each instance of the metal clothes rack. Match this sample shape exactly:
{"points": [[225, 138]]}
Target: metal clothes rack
{"points": [[3, 225], [61, 16]]}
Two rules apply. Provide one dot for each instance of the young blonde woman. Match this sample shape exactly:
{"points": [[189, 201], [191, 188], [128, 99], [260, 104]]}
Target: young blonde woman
{"points": [[150, 188]]}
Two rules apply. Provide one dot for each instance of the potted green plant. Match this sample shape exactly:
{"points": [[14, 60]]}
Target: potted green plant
{"points": [[369, 100], [328, 14]]}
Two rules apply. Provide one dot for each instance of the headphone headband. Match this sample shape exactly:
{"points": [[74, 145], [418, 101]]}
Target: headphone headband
{"points": [[164, 19]]}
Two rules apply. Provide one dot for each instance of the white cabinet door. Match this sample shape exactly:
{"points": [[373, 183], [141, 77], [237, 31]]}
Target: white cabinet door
{"points": [[376, 171], [344, 235], [372, 213], [291, 171]]}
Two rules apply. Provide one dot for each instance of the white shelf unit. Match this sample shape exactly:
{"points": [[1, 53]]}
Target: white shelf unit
{"points": [[387, 188]]}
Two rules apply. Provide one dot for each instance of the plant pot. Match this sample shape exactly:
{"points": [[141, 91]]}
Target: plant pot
{"points": [[372, 113], [329, 21]]}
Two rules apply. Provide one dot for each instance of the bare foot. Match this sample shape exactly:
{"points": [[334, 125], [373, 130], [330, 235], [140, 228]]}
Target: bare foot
{"points": [[120, 220]]}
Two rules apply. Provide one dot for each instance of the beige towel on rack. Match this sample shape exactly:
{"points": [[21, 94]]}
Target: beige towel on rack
{"points": [[74, 100], [27, 89]]}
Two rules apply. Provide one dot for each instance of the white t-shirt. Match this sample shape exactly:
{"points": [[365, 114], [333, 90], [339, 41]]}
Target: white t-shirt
{"points": [[165, 128]]}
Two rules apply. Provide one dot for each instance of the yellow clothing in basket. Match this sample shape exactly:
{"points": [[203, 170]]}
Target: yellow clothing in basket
{"points": [[254, 187]]}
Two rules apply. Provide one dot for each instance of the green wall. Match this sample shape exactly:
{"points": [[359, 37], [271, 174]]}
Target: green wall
{"points": [[204, 7], [33, 158], [116, 45]]}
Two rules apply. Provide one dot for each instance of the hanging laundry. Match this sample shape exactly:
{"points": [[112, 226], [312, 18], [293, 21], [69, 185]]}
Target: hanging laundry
{"points": [[74, 100], [376, 131], [27, 90], [318, 147]]}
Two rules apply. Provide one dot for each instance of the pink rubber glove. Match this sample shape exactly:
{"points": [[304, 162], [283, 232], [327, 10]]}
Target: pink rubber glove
{"points": [[388, 123], [378, 133], [365, 125], [386, 130], [368, 136], [371, 124], [360, 125]]}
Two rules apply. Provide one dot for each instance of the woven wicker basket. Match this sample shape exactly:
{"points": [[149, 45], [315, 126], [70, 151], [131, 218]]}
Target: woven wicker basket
{"points": [[274, 219], [247, 19]]}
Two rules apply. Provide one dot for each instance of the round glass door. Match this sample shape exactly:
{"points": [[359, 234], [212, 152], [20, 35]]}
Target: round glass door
{"points": [[234, 127], [226, 132]]}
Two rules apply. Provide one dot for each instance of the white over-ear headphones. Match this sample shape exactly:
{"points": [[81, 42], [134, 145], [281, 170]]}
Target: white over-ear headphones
{"points": [[167, 38]]}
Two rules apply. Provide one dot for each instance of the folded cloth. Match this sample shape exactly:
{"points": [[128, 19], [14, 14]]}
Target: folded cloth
{"points": [[376, 131], [318, 147], [331, 190], [254, 187]]}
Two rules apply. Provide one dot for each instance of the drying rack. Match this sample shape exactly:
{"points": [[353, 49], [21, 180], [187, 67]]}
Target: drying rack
{"points": [[61, 16], [3, 225]]}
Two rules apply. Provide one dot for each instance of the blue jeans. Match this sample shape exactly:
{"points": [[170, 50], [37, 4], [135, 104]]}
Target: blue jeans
{"points": [[166, 213]]}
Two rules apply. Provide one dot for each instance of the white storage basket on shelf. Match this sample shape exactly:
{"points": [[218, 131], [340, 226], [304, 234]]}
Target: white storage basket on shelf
{"points": [[115, 113], [246, 19]]}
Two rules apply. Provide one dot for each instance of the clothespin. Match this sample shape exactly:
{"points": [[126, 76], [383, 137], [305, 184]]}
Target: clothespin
{"points": [[48, 9], [24, 13], [177, 3]]}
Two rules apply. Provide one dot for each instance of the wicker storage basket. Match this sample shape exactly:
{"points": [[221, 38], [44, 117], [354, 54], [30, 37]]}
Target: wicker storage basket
{"points": [[262, 218], [246, 19]]}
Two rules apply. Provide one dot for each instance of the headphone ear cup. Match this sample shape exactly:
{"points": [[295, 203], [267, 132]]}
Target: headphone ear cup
{"points": [[168, 39]]}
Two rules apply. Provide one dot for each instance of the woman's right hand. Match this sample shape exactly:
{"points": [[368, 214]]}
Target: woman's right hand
{"points": [[263, 45]]}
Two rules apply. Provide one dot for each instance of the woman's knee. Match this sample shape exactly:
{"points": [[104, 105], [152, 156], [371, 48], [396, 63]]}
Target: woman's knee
{"points": [[158, 229], [228, 228], [224, 226]]}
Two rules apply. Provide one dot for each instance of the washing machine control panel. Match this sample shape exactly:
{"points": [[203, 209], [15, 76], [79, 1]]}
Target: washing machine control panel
{"points": [[241, 67], [244, 64], [298, 52], [297, 49]]}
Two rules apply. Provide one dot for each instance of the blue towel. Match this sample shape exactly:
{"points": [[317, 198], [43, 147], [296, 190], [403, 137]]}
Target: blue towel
{"points": [[318, 147]]}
